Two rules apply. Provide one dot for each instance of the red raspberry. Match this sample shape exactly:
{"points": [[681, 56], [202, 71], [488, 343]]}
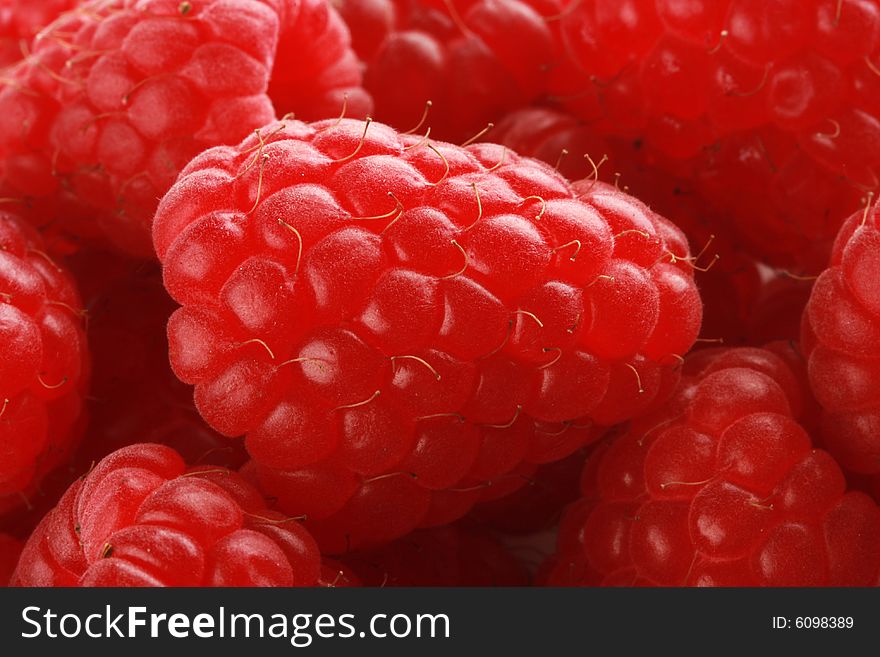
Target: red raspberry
{"points": [[777, 97], [43, 362], [10, 548], [20, 20], [460, 316], [729, 280], [140, 518], [317, 75], [135, 396], [474, 60], [841, 329], [443, 556], [722, 488], [118, 95]]}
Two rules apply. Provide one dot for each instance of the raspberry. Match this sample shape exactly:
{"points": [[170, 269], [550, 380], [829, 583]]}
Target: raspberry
{"points": [[317, 75], [117, 96], [443, 556], [778, 97], [20, 20], [840, 331], [134, 394], [10, 548], [474, 60], [460, 316], [729, 280], [722, 488], [141, 518], [43, 363]]}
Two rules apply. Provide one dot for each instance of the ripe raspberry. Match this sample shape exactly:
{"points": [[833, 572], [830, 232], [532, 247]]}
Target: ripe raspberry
{"points": [[140, 518], [777, 97], [134, 395], [443, 556], [729, 279], [474, 60], [317, 74], [460, 316], [721, 488], [43, 362], [841, 329], [10, 548], [20, 20], [118, 95]]}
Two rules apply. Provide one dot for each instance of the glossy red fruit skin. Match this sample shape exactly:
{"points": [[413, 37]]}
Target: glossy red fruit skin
{"points": [[44, 362], [494, 341], [317, 74], [779, 98], [10, 548], [20, 20], [117, 96], [839, 331], [722, 488], [141, 518], [474, 60], [442, 556]]}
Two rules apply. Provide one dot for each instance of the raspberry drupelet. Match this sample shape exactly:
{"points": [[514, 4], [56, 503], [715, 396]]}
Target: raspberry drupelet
{"points": [[840, 334], [141, 518], [44, 362], [771, 106], [473, 60], [116, 96], [721, 488], [20, 20], [401, 327]]}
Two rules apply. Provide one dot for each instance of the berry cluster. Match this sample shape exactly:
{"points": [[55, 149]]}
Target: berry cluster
{"points": [[141, 518], [461, 313], [44, 364], [273, 313], [768, 107], [723, 487]]}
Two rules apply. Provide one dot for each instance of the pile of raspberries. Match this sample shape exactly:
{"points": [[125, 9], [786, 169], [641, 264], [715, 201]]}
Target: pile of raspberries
{"points": [[440, 292]]}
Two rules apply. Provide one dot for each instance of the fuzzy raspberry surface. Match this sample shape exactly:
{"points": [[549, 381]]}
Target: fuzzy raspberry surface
{"points": [[722, 488], [841, 325], [117, 96], [317, 74], [44, 361], [396, 324], [442, 556], [141, 518], [771, 107], [134, 395], [20, 20], [729, 278], [474, 60]]}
